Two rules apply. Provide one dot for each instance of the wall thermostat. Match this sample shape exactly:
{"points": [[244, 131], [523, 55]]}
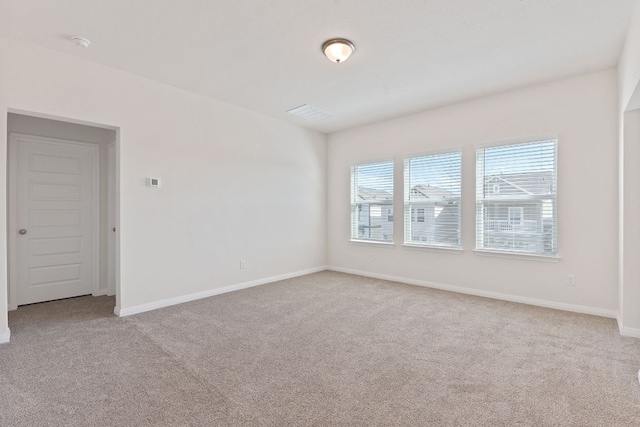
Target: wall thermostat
{"points": [[153, 182]]}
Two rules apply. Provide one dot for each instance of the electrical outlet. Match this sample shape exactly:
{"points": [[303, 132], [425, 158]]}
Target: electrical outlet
{"points": [[571, 279], [243, 264]]}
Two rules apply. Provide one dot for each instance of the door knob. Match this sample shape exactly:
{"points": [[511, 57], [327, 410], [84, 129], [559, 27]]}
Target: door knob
{"points": [[22, 231]]}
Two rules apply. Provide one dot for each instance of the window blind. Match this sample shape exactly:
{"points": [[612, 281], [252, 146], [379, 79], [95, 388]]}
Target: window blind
{"points": [[516, 198], [432, 188], [372, 202]]}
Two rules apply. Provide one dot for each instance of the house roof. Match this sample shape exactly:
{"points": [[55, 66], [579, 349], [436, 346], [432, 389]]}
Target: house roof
{"points": [[528, 183], [420, 191], [426, 191], [372, 194]]}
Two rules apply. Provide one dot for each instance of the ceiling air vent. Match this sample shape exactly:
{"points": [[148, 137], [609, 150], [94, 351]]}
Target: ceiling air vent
{"points": [[310, 113]]}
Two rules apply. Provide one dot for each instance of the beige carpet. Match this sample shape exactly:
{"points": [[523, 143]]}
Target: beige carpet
{"points": [[324, 349]]}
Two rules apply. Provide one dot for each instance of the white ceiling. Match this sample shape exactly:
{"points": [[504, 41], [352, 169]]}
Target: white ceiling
{"points": [[264, 55]]}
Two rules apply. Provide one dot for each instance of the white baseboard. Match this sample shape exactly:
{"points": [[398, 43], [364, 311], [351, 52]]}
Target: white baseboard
{"points": [[212, 292], [6, 337], [628, 332], [486, 294]]}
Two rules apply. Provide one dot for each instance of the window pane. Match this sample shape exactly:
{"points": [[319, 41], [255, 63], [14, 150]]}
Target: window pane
{"points": [[372, 202], [516, 198], [432, 200]]}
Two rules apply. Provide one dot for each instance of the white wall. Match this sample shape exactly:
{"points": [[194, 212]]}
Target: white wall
{"points": [[70, 131], [582, 111], [629, 179], [236, 184]]}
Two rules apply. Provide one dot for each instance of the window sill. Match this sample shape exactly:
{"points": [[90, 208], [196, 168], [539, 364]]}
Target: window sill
{"points": [[373, 243], [517, 255], [441, 249]]}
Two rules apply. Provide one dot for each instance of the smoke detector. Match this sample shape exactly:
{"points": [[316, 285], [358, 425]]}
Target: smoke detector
{"points": [[81, 41]]}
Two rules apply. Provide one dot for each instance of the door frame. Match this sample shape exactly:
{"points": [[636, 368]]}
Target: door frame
{"points": [[12, 211], [111, 218]]}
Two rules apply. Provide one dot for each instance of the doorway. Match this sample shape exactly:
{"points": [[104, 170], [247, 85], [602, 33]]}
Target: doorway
{"points": [[61, 209]]}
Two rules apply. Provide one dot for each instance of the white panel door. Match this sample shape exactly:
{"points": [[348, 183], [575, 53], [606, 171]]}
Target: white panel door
{"points": [[55, 218]]}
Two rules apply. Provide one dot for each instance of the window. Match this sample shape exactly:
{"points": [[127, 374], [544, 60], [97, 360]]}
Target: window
{"points": [[432, 200], [515, 216], [372, 202], [516, 194]]}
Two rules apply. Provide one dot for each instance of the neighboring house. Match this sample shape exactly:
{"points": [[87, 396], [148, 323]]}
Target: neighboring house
{"points": [[435, 216], [375, 214], [518, 212]]}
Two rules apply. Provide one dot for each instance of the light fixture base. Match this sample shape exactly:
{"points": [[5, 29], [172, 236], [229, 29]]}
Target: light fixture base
{"points": [[81, 41]]}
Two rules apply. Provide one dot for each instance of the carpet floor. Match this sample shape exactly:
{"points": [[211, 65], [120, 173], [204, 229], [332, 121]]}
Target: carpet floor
{"points": [[327, 349]]}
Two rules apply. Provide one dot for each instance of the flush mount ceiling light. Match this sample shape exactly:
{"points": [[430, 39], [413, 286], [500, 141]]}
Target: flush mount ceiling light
{"points": [[338, 50], [80, 41]]}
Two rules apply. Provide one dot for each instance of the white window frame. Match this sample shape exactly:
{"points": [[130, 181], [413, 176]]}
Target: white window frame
{"points": [[414, 214], [552, 253], [385, 208]]}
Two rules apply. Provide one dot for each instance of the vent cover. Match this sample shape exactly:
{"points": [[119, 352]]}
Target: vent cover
{"points": [[310, 112]]}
